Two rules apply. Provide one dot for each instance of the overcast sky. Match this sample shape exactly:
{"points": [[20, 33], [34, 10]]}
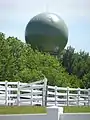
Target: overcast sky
{"points": [[15, 14]]}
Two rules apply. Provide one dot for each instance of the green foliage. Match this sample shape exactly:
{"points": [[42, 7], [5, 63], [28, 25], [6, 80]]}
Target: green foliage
{"points": [[19, 62], [78, 64], [86, 80]]}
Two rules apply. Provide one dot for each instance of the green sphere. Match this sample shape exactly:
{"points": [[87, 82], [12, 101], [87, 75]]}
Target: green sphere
{"points": [[47, 32]]}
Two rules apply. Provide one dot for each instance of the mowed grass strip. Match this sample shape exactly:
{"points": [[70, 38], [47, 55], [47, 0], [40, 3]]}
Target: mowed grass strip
{"points": [[76, 109], [22, 110], [39, 110]]}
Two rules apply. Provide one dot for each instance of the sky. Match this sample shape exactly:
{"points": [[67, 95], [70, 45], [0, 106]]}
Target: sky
{"points": [[15, 14]]}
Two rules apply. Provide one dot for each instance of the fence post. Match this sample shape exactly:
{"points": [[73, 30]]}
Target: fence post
{"points": [[6, 93], [31, 94], [55, 95], [88, 96], [18, 93], [9, 93], [78, 101], [44, 96], [67, 96]]}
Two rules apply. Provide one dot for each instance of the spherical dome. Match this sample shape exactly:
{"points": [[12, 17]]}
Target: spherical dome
{"points": [[47, 32]]}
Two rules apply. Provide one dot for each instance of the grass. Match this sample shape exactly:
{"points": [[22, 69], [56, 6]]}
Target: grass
{"points": [[76, 109], [22, 110], [38, 109]]}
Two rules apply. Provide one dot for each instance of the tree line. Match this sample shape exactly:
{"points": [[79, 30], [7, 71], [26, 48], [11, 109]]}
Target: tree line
{"points": [[19, 62], [77, 63]]}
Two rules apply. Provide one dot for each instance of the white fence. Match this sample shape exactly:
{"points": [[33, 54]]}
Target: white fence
{"points": [[38, 93], [17, 93], [60, 96]]}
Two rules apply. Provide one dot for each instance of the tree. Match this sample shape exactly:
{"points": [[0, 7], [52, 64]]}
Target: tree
{"points": [[4, 57], [86, 80], [19, 62], [68, 59], [76, 63]]}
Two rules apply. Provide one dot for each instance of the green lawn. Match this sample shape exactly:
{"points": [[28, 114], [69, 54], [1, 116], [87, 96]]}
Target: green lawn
{"points": [[22, 110], [76, 109], [38, 109]]}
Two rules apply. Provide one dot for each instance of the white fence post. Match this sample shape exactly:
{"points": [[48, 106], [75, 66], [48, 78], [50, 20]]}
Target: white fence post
{"points": [[44, 93], [55, 95], [9, 93], [88, 96], [6, 93], [78, 98], [31, 93], [18, 93], [67, 96]]}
